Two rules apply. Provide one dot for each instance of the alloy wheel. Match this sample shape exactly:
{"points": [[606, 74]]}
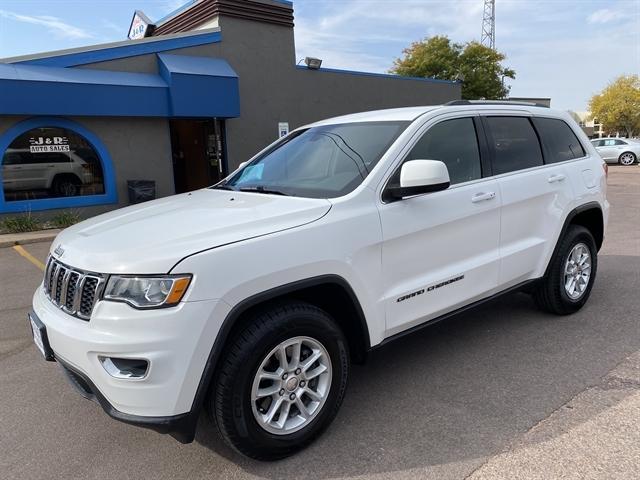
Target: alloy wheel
{"points": [[577, 271], [291, 385]]}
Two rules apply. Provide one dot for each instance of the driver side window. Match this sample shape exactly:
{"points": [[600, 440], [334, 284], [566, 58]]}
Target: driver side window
{"points": [[455, 143]]}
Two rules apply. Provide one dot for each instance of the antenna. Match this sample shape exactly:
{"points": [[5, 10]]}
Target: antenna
{"points": [[488, 37]]}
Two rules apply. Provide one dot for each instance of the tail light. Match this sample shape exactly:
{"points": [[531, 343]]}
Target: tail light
{"points": [[605, 167]]}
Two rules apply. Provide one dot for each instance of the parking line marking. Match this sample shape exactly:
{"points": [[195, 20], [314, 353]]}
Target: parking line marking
{"points": [[29, 257]]}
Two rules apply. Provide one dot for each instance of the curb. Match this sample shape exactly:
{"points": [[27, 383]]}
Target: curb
{"points": [[12, 239]]}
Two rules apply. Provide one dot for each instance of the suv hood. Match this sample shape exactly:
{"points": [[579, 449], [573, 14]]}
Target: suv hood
{"points": [[152, 237]]}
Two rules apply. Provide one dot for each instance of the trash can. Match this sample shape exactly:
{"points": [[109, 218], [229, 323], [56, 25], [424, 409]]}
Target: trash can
{"points": [[141, 190]]}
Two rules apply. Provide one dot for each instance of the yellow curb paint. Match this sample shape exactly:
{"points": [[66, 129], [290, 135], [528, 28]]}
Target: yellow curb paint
{"points": [[29, 257]]}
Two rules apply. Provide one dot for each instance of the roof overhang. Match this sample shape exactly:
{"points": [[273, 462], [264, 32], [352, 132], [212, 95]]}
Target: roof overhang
{"points": [[185, 87]]}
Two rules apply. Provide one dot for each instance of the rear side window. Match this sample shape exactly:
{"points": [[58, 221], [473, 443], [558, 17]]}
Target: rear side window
{"points": [[515, 144], [455, 143], [558, 138]]}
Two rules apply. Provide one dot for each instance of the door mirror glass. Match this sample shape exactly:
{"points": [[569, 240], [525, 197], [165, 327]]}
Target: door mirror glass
{"points": [[420, 176]]}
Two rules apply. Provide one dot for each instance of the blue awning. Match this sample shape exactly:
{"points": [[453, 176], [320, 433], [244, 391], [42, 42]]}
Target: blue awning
{"points": [[185, 87]]}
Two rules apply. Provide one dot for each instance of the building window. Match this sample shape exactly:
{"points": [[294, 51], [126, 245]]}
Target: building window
{"points": [[50, 162], [53, 163]]}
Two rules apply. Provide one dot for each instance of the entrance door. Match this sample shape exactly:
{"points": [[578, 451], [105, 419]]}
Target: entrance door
{"points": [[197, 151]]}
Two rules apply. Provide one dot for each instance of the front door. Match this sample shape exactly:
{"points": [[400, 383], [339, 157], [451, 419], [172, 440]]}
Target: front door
{"points": [[197, 153], [441, 250]]}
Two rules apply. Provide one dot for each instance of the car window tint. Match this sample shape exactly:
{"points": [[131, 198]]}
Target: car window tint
{"points": [[620, 142], [455, 143], [560, 141], [325, 161], [515, 144]]}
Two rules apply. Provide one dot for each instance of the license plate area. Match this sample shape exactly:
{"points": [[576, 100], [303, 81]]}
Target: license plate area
{"points": [[39, 334]]}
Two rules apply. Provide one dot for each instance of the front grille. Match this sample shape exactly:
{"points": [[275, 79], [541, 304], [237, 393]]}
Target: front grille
{"points": [[74, 291]]}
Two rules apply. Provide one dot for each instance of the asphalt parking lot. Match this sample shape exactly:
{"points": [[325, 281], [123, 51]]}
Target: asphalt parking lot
{"points": [[463, 398]]}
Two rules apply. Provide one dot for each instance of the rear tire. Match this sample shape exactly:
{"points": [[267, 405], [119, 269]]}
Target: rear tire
{"points": [[254, 381], [627, 158], [567, 285]]}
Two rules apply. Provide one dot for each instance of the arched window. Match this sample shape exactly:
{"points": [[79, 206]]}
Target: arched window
{"points": [[53, 163]]}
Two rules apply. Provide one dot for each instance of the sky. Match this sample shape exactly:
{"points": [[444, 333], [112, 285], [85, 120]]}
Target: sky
{"points": [[563, 49]]}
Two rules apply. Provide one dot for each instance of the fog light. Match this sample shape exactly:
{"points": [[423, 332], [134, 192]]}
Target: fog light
{"points": [[125, 367]]}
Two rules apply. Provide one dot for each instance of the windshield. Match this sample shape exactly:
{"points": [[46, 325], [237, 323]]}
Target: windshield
{"points": [[321, 162]]}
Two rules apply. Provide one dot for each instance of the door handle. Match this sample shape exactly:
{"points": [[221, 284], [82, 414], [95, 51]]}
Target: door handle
{"points": [[556, 178], [480, 197]]}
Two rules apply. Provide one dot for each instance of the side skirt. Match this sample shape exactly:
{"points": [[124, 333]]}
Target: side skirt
{"points": [[433, 321]]}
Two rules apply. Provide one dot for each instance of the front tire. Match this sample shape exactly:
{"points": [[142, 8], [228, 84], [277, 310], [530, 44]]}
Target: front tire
{"points": [[281, 381], [627, 158], [571, 273]]}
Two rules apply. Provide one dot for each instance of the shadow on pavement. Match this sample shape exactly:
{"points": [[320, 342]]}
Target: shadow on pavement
{"points": [[463, 389]]}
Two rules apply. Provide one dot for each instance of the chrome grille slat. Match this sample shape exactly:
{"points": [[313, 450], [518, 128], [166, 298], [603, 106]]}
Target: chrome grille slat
{"points": [[74, 291], [65, 286], [54, 283]]}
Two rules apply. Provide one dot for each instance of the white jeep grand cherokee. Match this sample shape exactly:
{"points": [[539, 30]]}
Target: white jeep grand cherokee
{"points": [[253, 296]]}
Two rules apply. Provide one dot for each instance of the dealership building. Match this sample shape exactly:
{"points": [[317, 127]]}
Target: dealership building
{"points": [[174, 108]]}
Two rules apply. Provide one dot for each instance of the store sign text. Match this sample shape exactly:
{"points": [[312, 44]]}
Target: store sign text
{"points": [[48, 144]]}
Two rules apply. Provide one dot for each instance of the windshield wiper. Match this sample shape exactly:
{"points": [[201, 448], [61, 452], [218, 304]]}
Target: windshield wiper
{"points": [[223, 187], [261, 189]]}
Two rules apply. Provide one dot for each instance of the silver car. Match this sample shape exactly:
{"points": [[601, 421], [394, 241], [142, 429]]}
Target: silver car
{"points": [[618, 150]]}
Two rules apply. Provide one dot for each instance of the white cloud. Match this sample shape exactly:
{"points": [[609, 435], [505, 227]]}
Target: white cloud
{"points": [[605, 15], [53, 24]]}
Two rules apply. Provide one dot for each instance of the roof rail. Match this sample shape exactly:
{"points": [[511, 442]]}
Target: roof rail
{"points": [[494, 102]]}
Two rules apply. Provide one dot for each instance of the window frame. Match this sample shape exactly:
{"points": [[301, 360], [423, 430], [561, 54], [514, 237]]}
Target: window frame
{"points": [[110, 195]]}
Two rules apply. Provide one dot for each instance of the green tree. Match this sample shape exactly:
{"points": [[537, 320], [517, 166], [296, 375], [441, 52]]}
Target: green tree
{"points": [[478, 67], [617, 107]]}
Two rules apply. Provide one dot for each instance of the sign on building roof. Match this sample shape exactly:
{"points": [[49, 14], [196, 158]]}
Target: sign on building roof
{"points": [[140, 26]]}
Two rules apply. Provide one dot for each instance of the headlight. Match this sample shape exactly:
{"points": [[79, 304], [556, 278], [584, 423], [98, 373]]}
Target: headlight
{"points": [[147, 292]]}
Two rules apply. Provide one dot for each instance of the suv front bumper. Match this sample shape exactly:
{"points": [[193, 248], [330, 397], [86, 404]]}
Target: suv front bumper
{"points": [[175, 341]]}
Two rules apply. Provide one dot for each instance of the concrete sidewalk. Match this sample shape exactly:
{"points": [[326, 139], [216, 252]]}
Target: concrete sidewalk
{"points": [[595, 435], [11, 239]]}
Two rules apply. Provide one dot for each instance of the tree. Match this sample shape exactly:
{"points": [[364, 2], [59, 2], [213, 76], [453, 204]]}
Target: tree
{"points": [[478, 67], [617, 107]]}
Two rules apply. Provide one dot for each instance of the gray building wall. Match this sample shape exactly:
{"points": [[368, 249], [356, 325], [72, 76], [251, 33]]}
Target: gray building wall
{"points": [[273, 90]]}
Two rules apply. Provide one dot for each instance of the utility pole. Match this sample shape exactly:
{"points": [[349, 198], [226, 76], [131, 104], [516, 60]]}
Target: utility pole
{"points": [[488, 37]]}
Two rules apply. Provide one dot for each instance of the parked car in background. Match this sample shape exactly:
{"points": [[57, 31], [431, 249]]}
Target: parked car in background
{"points": [[618, 150], [60, 173]]}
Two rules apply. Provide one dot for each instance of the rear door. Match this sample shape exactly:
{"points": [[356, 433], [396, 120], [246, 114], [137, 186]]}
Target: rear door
{"points": [[608, 150], [440, 250], [535, 189]]}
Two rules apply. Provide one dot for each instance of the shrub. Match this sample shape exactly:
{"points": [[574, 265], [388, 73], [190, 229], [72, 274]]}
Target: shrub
{"points": [[22, 223], [65, 219]]}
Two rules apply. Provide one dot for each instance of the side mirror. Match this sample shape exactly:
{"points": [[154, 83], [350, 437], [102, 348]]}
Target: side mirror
{"points": [[420, 176]]}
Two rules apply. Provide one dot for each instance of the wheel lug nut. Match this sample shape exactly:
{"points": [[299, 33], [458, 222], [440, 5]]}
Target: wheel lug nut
{"points": [[292, 396], [284, 377], [281, 392], [298, 371], [302, 383]]}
